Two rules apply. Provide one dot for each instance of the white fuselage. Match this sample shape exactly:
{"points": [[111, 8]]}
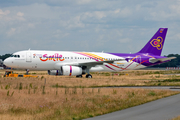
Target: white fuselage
{"points": [[53, 60], [79, 63]]}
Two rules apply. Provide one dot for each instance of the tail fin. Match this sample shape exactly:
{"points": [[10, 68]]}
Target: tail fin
{"points": [[155, 44]]}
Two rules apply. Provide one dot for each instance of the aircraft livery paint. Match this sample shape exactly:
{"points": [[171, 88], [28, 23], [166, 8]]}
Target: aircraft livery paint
{"points": [[45, 57], [92, 61], [98, 58], [157, 43]]}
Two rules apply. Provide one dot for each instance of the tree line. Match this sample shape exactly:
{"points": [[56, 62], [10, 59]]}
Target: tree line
{"points": [[3, 57], [172, 63]]}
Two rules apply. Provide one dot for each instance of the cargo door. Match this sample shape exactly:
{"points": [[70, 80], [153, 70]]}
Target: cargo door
{"points": [[28, 57]]}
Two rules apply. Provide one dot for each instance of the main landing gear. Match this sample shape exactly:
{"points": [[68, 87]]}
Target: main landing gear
{"points": [[86, 70], [79, 76], [88, 76]]}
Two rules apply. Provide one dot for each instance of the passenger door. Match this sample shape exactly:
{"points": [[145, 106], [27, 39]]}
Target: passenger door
{"points": [[28, 57]]}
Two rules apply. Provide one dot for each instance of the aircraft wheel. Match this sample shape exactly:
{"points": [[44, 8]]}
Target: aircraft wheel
{"points": [[88, 76], [79, 76]]}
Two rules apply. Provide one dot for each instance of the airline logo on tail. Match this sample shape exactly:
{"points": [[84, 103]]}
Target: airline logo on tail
{"points": [[161, 31], [157, 43]]}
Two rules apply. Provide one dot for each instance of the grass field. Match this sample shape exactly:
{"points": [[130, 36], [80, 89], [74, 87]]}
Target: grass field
{"points": [[177, 118], [63, 97]]}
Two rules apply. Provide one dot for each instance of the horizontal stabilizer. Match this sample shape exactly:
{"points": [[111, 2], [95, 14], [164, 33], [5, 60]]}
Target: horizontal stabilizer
{"points": [[161, 59]]}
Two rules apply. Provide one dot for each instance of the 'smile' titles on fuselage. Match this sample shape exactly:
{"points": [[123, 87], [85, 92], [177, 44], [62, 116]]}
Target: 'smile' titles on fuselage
{"points": [[45, 57]]}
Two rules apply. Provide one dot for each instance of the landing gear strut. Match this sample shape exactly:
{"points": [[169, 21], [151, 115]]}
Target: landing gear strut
{"points": [[85, 70], [88, 75]]}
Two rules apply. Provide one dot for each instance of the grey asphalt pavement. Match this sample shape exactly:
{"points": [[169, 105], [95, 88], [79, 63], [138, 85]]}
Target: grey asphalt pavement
{"points": [[162, 109]]}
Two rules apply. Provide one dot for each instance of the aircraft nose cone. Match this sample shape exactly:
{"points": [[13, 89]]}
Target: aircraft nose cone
{"points": [[6, 62]]}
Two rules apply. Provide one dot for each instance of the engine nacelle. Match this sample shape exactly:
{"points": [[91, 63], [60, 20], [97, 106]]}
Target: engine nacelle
{"points": [[71, 70], [54, 72], [67, 70]]}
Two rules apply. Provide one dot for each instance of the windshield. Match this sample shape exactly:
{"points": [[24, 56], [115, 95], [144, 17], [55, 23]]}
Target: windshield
{"points": [[16, 56]]}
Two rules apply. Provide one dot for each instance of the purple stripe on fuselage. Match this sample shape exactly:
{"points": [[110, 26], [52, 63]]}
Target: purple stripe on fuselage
{"points": [[143, 58], [110, 67]]}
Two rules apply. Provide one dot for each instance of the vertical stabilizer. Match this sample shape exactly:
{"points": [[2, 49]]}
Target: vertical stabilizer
{"points": [[155, 44]]}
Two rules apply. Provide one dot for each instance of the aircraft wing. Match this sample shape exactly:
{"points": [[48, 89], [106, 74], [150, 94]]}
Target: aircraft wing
{"points": [[94, 63], [161, 59]]}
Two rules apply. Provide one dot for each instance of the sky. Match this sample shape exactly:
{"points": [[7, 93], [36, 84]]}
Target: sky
{"points": [[116, 26]]}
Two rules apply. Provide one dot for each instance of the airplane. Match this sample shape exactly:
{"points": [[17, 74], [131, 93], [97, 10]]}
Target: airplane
{"points": [[71, 63]]}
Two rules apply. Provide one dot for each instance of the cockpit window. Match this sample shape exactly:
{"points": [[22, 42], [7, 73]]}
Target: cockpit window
{"points": [[16, 56]]}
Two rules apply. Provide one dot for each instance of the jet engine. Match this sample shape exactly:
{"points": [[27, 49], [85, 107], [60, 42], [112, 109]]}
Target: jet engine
{"points": [[54, 72], [67, 70]]}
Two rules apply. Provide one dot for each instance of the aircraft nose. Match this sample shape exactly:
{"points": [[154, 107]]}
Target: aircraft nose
{"points": [[6, 62]]}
